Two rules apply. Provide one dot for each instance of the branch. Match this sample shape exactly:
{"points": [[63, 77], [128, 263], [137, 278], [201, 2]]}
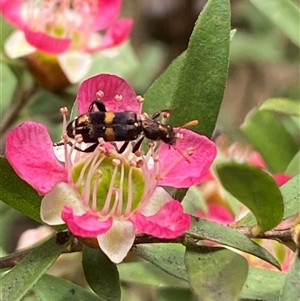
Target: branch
{"points": [[284, 235], [20, 99]]}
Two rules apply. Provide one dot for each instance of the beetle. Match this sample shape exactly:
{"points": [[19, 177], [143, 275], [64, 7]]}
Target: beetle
{"points": [[119, 126]]}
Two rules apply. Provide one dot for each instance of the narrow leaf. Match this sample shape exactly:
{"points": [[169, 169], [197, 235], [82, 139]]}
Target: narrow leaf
{"points": [[53, 288], [169, 260], [268, 136], [205, 229], [158, 96], [262, 284], [202, 77], [215, 273], [146, 273], [17, 193], [294, 166], [290, 193], [282, 105], [254, 188], [101, 274], [21, 278], [291, 287], [175, 294], [283, 13]]}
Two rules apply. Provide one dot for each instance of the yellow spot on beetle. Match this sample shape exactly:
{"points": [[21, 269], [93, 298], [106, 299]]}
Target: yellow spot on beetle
{"points": [[109, 117], [110, 134]]}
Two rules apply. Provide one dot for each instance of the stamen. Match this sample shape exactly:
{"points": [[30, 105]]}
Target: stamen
{"points": [[86, 191], [140, 100], [118, 97], [129, 195], [120, 202], [106, 206], [189, 151], [99, 95], [82, 172], [116, 202], [95, 188], [78, 138]]}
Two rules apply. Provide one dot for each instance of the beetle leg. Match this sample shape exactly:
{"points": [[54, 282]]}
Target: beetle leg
{"points": [[123, 147], [100, 106], [137, 146], [158, 113], [89, 149]]}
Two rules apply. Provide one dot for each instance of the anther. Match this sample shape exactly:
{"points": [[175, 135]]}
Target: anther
{"points": [[139, 153], [118, 97], [189, 151], [63, 111], [140, 99], [165, 115], [101, 141], [116, 162], [179, 136], [99, 95], [64, 137], [151, 144], [78, 138], [140, 163]]}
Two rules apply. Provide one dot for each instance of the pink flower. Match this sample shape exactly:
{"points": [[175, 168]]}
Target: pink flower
{"points": [[105, 194], [67, 30]]}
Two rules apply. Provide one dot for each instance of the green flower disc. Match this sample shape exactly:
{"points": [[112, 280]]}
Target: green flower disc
{"points": [[107, 169]]}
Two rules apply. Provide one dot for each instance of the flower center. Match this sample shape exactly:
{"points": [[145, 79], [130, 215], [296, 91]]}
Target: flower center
{"points": [[108, 184], [61, 18], [115, 184]]}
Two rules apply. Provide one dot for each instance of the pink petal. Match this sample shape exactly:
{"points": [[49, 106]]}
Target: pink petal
{"points": [[169, 222], [257, 160], [217, 213], [46, 43], [108, 11], [11, 10], [185, 174], [111, 85], [29, 150], [116, 34], [86, 225], [281, 178]]}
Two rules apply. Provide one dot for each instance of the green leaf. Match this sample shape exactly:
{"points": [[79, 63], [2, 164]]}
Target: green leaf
{"points": [[194, 201], [268, 136], [290, 193], [20, 279], [282, 105], [101, 274], [17, 193], [159, 94], [146, 273], [294, 166], [8, 81], [215, 273], [169, 260], [205, 229], [262, 284], [283, 13], [291, 287], [254, 188], [53, 288], [202, 77], [172, 294]]}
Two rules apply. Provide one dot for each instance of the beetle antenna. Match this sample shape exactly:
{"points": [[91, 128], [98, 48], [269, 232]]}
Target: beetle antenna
{"points": [[188, 124]]}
